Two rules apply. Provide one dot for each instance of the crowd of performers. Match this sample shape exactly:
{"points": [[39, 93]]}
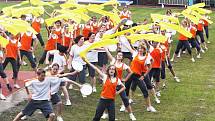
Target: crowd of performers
{"points": [[139, 65]]}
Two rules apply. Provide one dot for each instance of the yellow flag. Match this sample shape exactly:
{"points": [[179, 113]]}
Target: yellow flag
{"points": [[176, 28], [98, 44], [3, 42], [160, 17], [150, 37]]}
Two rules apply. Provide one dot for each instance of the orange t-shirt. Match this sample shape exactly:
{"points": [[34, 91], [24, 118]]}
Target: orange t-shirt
{"points": [[37, 26], [86, 30], [67, 39], [59, 34], [77, 31], [200, 26], [12, 50], [181, 37], [138, 66], [119, 72], [205, 22], [95, 27], [109, 89], [26, 42], [51, 43], [156, 55], [193, 31]]}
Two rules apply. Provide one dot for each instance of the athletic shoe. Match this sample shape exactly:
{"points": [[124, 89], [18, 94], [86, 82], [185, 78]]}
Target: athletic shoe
{"points": [[16, 86], [122, 108], [206, 48], [87, 74], [59, 118], [202, 51], [131, 101], [172, 59], [132, 117], [193, 60], [158, 94], [2, 97], [68, 103], [94, 89], [157, 100], [40, 112], [62, 94], [177, 79], [208, 42], [84, 96], [183, 52], [70, 86], [24, 63], [198, 56], [164, 85], [151, 109], [24, 117], [104, 116]]}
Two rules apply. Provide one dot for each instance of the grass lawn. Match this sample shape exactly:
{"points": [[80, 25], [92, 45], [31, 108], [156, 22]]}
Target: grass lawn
{"points": [[190, 100]]}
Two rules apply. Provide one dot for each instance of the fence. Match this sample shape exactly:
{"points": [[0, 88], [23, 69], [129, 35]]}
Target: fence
{"points": [[173, 2]]}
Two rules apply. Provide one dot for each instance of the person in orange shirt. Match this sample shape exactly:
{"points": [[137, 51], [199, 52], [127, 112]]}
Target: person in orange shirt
{"points": [[108, 94], [206, 24], [67, 38], [183, 41], [200, 33], [26, 48], [156, 52], [94, 24], [125, 13], [87, 29], [3, 74], [51, 44], [36, 24], [140, 66], [58, 32], [12, 55]]}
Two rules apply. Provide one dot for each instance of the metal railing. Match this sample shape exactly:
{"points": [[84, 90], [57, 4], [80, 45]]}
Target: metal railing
{"points": [[173, 2]]}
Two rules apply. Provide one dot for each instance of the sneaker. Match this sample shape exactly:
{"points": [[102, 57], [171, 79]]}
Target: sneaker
{"points": [[122, 108], [206, 48], [157, 100], [84, 96], [24, 117], [172, 59], [94, 89], [87, 74], [151, 109], [179, 55], [198, 56], [59, 118], [104, 116], [183, 52], [131, 101], [208, 42], [68, 103], [70, 86], [24, 63], [202, 51], [193, 60], [62, 94], [16, 86], [40, 112], [177, 79], [164, 85], [158, 94], [132, 117], [2, 97]]}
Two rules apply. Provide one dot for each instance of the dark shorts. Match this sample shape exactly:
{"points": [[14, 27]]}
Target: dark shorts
{"points": [[155, 73], [81, 75], [102, 59], [127, 55], [91, 70], [44, 105], [63, 84], [55, 98], [2, 73]]}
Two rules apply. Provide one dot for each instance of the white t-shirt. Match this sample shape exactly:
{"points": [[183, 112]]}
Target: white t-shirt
{"points": [[75, 53], [148, 59], [92, 55], [124, 40], [59, 59], [55, 83], [40, 90]]}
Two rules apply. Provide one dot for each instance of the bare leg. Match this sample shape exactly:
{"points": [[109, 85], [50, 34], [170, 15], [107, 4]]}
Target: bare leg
{"points": [[18, 117]]}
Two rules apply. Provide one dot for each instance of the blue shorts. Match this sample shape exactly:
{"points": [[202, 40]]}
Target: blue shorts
{"points": [[55, 98], [44, 105]]}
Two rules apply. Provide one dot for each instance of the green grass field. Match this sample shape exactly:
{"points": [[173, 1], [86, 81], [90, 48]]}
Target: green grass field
{"points": [[190, 100]]}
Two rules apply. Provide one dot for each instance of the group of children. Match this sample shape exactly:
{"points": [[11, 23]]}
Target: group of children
{"points": [[145, 67]]}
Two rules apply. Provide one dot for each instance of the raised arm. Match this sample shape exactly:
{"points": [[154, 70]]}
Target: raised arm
{"points": [[109, 54], [129, 48]]}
